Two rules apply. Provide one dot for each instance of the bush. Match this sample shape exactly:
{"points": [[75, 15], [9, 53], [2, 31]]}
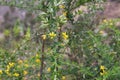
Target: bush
{"points": [[59, 47]]}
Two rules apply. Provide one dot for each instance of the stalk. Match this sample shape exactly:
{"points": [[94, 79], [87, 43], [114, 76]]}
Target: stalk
{"points": [[42, 60]]}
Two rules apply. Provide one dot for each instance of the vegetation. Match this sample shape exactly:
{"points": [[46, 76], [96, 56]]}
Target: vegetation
{"points": [[59, 45]]}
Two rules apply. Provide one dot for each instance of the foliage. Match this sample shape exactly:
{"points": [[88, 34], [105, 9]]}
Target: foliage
{"points": [[53, 51]]}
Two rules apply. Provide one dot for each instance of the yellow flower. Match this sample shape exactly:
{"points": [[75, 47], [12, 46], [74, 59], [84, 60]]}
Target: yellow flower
{"points": [[64, 35], [8, 67], [65, 13], [26, 65], [37, 60], [37, 55], [1, 72], [63, 78], [20, 61], [11, 64], [43, 37], [61, 6], [105, 21], [102, 67], [48, 69], [7, 72], [52, 35], [102, 32], [16, 74], [38, 74], [111, 23], [25, 72], [102, 72]]}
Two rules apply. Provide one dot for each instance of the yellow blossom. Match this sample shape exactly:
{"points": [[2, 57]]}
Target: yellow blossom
{"points": [[25, 72], [7, 72], [48, 69], [11, 64], [52, 35], [65, 13], [102, 67], [105, 21], [63, 78], [102, 32], [111, 23], [102, 72], [43, 37], [61, 6], [26, 65], [16, 74], [64, 35], [20, 61], [38, 74], [8, 67], [37, 60], [37, 55], [1, 72]]}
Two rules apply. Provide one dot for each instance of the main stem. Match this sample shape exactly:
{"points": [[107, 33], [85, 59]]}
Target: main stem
{"points": [[42, 60], [56, 58]]}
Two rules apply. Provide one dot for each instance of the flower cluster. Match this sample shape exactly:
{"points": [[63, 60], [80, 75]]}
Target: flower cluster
{"points": [[102, 70], [9, 66], [16, 74], [53, 35], [48, 69], [25, 72], [108, 22], [43, 37], [1, 72], [63, 78], [64, 35]]}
